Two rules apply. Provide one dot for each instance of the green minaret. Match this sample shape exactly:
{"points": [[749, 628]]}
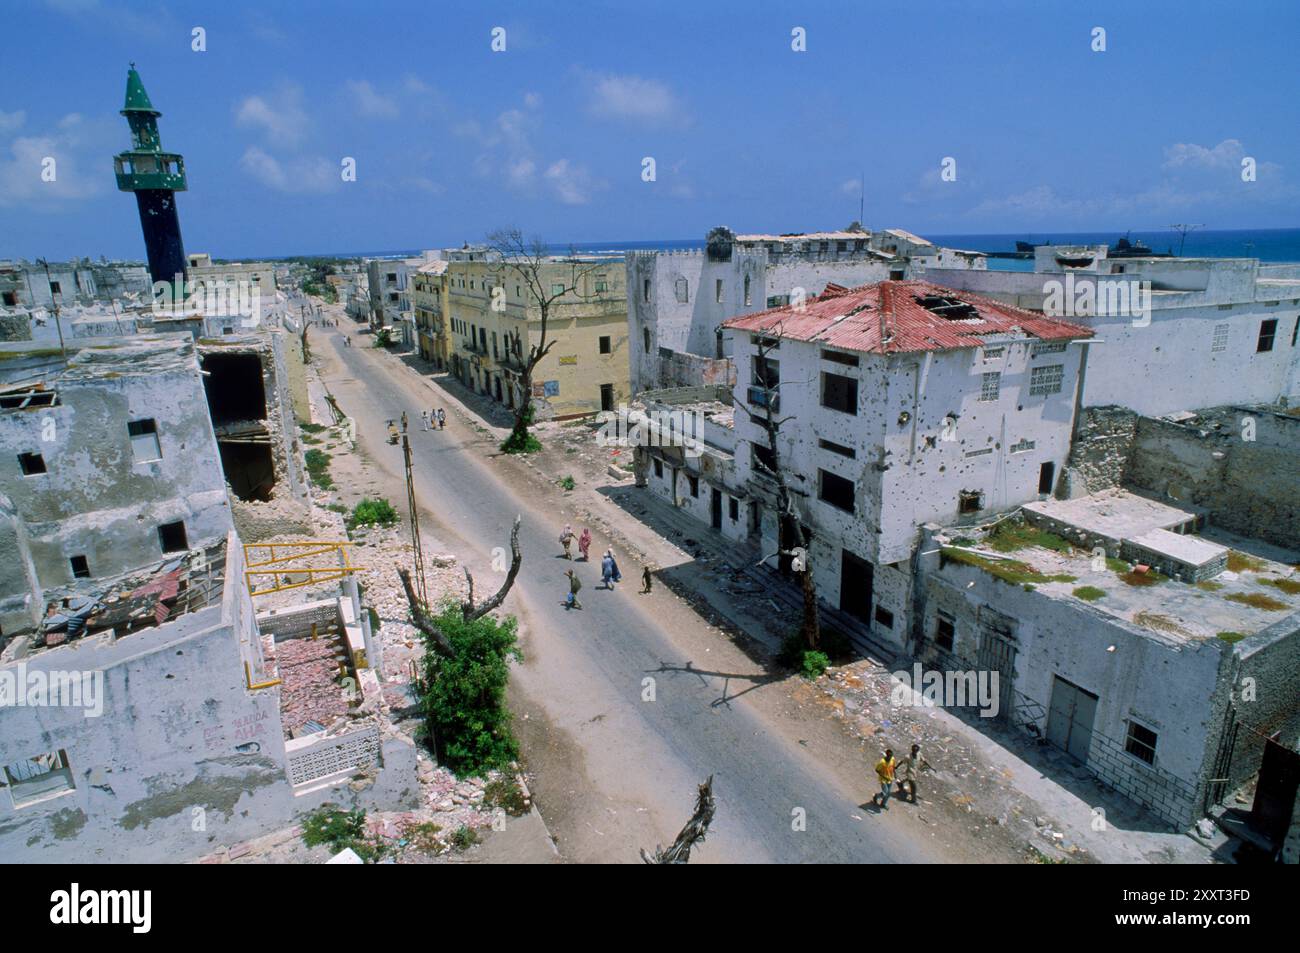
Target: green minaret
{"points": [[155, 177]]}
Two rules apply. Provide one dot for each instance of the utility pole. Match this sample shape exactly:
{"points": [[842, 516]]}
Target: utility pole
{"points": [[414, 517], [55, 305], [1182, 230]]}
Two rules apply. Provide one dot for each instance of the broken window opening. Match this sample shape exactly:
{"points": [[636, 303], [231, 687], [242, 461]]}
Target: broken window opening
{"points": [[37, 778], [249, 468], [144, 440], [235, 388], [32, 463], [970, 501], [80, 567], [171, 536]]}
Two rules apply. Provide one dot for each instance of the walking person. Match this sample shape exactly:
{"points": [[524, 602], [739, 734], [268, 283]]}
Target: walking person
{"points": [[424, 420], [442, 418], [584, 543], [566, 539], [885, 774], [909, 768], [646, 580], [575, 584], [607, 569]]}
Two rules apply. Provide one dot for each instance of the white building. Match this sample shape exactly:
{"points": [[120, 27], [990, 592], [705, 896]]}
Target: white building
{"points": [[902, 404], [677, 300], [1217, 330]]}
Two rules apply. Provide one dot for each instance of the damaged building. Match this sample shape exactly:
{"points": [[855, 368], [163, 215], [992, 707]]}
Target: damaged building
{"points": [[1156, 650], [678, 299], [110, 462], [246, 381], [154, 714], [902, 404]]}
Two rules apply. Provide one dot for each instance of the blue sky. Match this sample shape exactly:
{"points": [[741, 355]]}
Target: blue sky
{"points": [[452, 139]]}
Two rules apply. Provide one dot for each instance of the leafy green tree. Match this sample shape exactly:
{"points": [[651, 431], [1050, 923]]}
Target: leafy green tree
{"points": [[462, 690]]}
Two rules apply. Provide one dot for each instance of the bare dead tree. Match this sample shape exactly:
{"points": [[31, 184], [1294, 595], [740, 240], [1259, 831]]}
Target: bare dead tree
{"points": [[544, 285], [793, 538], [692, 834], [423, 620], [467, 608]]}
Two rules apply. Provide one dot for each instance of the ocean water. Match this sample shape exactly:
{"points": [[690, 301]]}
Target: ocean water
{"points": [[1269, 245]]}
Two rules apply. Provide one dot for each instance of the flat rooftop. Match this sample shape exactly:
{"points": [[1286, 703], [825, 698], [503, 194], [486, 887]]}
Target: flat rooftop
{"points": [[1115, 514], [1255, 591]]}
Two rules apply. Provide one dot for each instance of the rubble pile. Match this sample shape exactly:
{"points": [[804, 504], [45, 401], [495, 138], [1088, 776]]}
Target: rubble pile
{"points": [[310, 690], [860, 694]]}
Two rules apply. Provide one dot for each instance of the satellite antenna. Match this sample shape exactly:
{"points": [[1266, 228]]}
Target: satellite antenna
{"points": [[1182, 231]]}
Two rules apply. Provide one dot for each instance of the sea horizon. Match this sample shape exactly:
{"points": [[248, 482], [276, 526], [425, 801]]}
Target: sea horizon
{"points": [[1270, 245]]}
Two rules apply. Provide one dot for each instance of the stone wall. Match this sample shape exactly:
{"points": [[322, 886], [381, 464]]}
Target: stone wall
{"points": [[1103, 442], [1238, 464]]}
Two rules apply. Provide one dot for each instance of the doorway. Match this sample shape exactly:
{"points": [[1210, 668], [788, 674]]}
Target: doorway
{"points": [[1046, 477], [1070, 718], [606, 396], [856, 576], [715, 507]]}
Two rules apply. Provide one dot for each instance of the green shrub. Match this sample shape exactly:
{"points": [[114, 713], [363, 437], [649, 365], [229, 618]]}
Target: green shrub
{"points": [[463, 696], [339, 830], [318, 469], [463, 838], [517, 444], [1231, 637], [1089, 593], [373, 513], [506, 794], [814, 664], [568, 483]]}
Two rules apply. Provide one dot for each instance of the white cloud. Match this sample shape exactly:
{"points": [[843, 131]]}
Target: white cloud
{"points": [[572, 184], [297, 175], [279, 115], [370, 103], [78, 148], [632, 98], [1226, 155]]}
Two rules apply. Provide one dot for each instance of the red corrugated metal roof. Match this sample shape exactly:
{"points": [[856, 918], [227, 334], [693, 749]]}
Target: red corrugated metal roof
{"points": [[888, 318]]}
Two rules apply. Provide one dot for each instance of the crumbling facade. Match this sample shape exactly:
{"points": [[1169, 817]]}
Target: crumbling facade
{"points": [[110, 462], [247, 384], [679, 299], [900, 404]]}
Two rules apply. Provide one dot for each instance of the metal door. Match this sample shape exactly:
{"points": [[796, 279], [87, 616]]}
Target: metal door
{"points": [[1070, 718], [997, 653]]}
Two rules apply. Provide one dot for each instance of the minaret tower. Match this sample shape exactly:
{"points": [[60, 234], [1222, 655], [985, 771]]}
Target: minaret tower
{"points": [[155, 177]]}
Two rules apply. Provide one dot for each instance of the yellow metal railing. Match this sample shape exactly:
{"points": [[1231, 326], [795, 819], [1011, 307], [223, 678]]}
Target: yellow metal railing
{"points": [[294, 560]]}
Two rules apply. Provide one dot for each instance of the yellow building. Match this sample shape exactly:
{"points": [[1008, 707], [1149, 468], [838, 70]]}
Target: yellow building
{"points": [[586, 370], [428, 294]]}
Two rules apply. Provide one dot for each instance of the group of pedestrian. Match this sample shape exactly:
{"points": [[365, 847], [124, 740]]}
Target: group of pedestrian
{"points": [[889, 771], [433, 419], [610, 574]]}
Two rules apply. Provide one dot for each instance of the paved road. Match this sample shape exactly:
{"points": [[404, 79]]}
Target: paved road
{"points": [[625, 769]]}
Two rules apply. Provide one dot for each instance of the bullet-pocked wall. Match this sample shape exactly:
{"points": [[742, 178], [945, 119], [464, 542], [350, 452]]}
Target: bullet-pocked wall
{"points": [[122, 448]]}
